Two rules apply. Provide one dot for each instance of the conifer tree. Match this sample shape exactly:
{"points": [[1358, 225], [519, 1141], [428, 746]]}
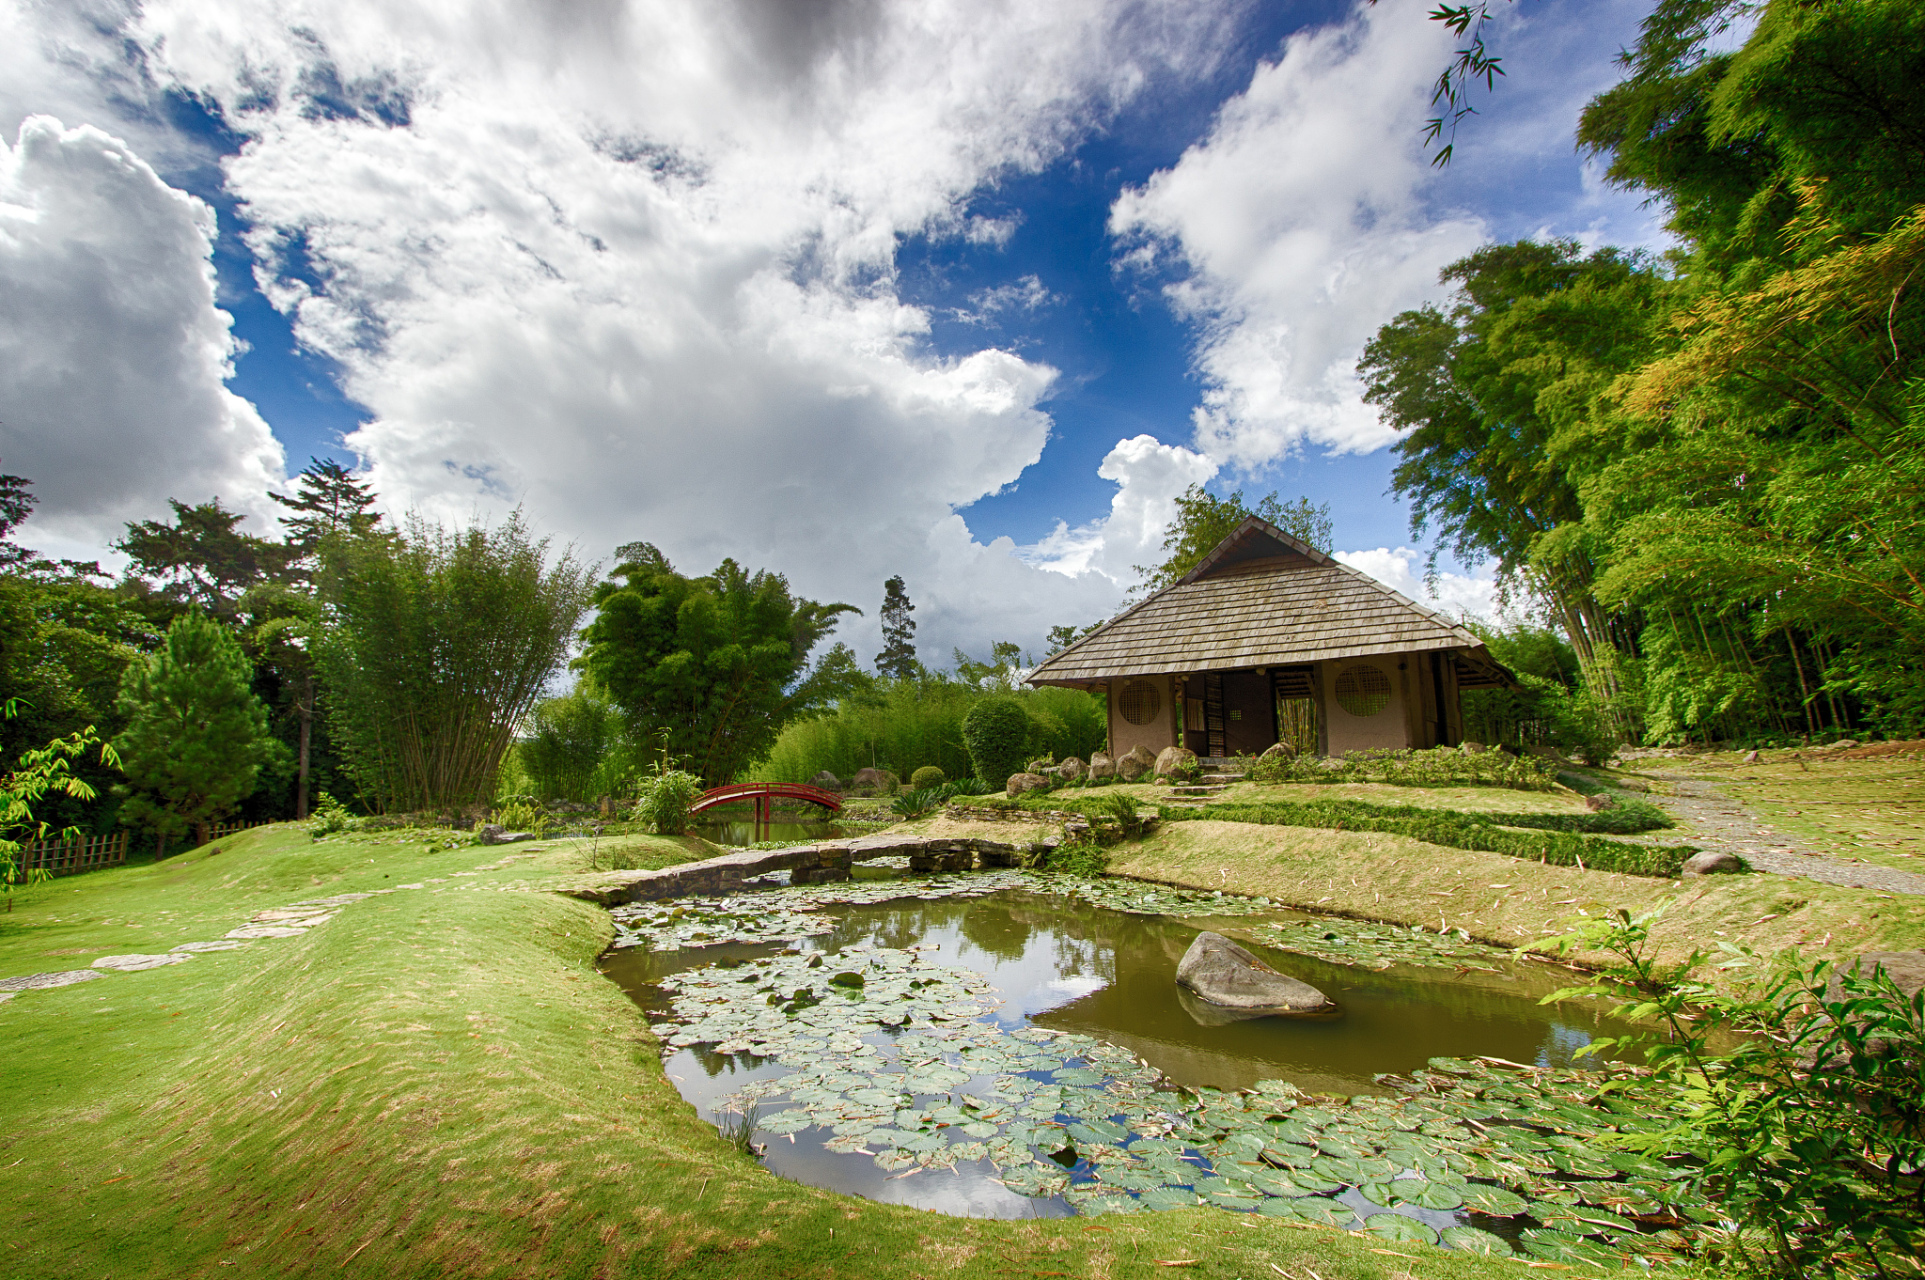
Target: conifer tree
{"points": [[330, 500], [898, 656], [196, 735]]}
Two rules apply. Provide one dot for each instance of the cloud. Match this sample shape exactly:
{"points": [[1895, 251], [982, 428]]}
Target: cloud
{"points": [[1454, 594], [1298, 226], [631, 265], [113, 356], [1149, 476], [1026, 294]]}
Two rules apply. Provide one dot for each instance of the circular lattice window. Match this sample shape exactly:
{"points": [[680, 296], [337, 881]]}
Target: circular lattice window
{"points": [[1363, 691], [1139, 702]]}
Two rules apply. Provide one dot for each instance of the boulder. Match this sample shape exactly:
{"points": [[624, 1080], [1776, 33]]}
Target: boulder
{"points": [[1101, 766], [1473, 748], [495, 833], [1906, 968], [1276, 751], [1019, 783], [873, 780], [1711, 862], [1752, 757], [1138, 762], [1599, 803], [1071, 770], [1222, 973], [827, 781], [1174, 760], [1041, 764], [1843, 744]]}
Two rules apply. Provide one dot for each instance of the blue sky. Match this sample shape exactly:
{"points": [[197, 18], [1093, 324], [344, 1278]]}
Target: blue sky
{"points": [[838, 290]]}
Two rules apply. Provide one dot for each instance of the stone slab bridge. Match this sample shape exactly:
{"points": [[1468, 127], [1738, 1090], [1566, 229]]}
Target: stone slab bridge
{"points": [[819, 863]]}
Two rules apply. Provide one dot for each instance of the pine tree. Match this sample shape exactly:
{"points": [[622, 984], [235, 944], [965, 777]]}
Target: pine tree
{"points": [[898, 656], [331, 500], [196, 735]]}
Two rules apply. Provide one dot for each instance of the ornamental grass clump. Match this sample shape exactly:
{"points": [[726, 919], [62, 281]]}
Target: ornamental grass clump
{"points": [[665, 801]]}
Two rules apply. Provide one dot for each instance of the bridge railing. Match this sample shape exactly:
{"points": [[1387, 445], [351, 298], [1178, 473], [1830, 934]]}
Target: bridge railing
{"points": [[763, 793]]}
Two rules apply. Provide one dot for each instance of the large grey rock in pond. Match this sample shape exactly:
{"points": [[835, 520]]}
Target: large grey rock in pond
{"points": [[1223, 973], [1020, 783], [1071, 770], [827, 781], [1710, 862], [1138, 762], [1174, 760], [1101, 766]]}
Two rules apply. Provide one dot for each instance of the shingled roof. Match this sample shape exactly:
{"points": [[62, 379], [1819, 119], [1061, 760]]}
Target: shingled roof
{"points": [[1261, 598]]}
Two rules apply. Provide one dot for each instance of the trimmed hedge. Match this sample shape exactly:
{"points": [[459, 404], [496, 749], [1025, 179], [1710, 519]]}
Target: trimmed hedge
{"points": [[996, 735], [1455, 830]]}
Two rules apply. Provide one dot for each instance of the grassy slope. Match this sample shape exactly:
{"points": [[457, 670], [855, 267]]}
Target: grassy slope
{"points": [[437, 1083]]}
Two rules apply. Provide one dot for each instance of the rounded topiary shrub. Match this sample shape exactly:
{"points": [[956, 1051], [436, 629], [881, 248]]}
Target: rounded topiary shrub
{"points": [[926, 777], [996, 735]]}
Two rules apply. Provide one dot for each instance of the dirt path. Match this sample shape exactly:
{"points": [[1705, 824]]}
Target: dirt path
{"points": [[1713, 820]]}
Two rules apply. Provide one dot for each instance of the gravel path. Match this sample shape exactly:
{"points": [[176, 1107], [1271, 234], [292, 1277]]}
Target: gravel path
{"points": [[1719, 822]]}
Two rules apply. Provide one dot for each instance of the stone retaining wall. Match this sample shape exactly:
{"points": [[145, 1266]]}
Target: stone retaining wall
{"points": [[810, 864]]}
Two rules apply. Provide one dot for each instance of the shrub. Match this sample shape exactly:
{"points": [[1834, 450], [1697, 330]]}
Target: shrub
{"points": [[575, 749], [1076, 858], [916, 804], [665, 800], [1455, 830], [1436, 767], [996, 734], [330, 816], [519, 813], [926, 777], [1806, 1123]]}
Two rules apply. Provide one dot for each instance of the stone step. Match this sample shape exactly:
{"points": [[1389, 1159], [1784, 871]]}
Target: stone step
{"points": [[1224, 779]]}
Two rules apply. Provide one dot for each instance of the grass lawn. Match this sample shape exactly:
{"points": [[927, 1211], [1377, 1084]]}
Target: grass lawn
{"points": [[437, 1082], [1868, 808]]}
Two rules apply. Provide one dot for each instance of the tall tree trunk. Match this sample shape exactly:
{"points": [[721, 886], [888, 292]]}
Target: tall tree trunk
{"points": [[307, 729]]}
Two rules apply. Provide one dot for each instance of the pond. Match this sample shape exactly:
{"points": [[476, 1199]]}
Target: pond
{"points": [[1008, 1045]]}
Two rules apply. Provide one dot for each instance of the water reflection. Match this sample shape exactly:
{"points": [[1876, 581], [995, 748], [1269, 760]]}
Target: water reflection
{"points": [[1080, 968]]}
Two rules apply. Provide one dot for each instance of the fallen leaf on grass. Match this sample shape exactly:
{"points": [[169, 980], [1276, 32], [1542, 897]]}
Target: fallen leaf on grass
{"points": [[1393, 1253], [1177, 1262]]}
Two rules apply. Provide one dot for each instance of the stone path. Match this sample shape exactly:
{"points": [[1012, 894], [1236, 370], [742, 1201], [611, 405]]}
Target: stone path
{"points": [[276, 922], [1719, 822]]}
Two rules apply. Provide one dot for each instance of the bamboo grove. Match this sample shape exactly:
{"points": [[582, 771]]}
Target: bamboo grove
{"points": [[1709, 464]]}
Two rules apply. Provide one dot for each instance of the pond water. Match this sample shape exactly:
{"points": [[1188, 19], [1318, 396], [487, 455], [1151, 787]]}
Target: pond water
{"points": [[998, 1045], [739, 832]]}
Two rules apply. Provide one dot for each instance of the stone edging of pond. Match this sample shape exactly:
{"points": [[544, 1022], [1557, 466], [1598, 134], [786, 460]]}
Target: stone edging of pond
{"points": [[820, 863]]}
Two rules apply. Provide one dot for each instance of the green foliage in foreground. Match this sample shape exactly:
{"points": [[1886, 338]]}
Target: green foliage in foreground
{"points": [[1810, 1132], [40, 774], [1456, 830], [1436, 767]]}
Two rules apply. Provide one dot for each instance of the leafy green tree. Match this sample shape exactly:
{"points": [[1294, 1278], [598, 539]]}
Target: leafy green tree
{"points": [[1203, 520], [575, 744], [718, 664], [196, 736], [16, 504], [1005, 663], [898, 656], [435, 645], [203, 557]]}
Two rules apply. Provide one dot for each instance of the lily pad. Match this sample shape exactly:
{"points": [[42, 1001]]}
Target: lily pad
{"points": [[1493, 1201], [1401, 1227], [1472, 1240]]}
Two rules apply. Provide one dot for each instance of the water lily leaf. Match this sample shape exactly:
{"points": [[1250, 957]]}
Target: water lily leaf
{"points": [[1400, 1227], [1427, 1195], [1169, 1198], [785, 1122], [1472, 1240], [893, 1161], [1337, 1169], [1316, 1209], [1555, 1246], [1493, 1201]]}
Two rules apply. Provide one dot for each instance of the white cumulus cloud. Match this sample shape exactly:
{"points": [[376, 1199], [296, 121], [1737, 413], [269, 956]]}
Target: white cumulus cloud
{"points": [[1299, 227], [113, 355], [1455, 594]]}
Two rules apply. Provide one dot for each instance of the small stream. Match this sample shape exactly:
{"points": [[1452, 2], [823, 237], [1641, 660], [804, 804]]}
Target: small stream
{"points": [[998, 1048]]}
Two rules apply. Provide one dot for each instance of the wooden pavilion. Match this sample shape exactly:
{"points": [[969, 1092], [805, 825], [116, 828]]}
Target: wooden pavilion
{"points": [[1270, 640]]}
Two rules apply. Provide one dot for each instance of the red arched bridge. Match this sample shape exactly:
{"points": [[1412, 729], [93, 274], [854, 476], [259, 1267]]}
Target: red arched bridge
{"points": [[765, 794]]}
